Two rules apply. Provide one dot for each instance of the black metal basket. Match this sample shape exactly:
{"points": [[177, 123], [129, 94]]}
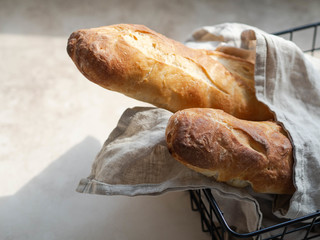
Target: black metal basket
{"points": [[214, 222], [309, 31], [212, 218]]}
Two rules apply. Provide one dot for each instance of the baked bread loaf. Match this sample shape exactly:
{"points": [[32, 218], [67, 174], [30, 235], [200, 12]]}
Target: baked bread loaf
{"points": [[234, 151], [147, 66]]}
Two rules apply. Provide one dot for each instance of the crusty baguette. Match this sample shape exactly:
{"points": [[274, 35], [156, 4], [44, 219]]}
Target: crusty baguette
{"points": [[145, 65], [231, 150]]}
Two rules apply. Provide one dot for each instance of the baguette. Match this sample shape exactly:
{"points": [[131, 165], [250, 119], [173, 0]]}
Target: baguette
{"points": [[147, 66], [234, 151]]}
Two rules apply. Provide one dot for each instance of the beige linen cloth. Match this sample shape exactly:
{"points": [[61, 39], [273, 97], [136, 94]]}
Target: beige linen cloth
{"points": [[135, 161], [288, 81]]}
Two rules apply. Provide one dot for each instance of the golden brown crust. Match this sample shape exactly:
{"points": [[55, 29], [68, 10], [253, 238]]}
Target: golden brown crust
{"points": [[145, 65], [231, 150]]}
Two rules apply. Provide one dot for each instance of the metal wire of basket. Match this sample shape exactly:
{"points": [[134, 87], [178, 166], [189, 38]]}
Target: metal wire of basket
{"points": [[212, 218], [214, 222], [309, 30]]}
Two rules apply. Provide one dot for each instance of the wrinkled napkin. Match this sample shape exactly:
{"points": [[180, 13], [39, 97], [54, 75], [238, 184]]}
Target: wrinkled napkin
{"points": [[288, 81], [134, 160]]}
